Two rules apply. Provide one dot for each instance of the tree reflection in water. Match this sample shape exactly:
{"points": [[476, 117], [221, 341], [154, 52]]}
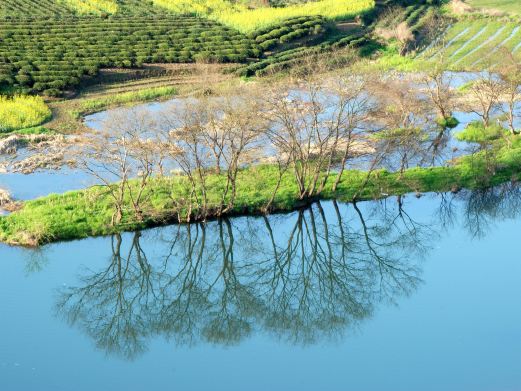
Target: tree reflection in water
{"points": [[302, 277], [485, 207]]}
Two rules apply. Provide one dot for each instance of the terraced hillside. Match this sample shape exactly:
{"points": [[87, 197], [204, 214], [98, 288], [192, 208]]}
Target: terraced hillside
{"points": [[55, 54], [510, 6], [476, 44], [352, 35], [25, 8], [249, 18], [50, 46], [35, 9]]}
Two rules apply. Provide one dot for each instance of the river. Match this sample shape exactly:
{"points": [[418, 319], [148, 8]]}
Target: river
{"points": [[400, 294]]}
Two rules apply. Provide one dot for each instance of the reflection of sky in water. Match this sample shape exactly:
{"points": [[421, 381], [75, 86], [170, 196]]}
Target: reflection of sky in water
{"points": [[43, 183], [453, 325]]}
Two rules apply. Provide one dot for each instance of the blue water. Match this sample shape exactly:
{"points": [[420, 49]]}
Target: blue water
{"points": [[429, 299], [422, 296]]}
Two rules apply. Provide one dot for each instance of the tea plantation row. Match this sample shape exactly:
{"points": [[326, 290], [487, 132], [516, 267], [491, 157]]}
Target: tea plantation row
{"points": [[53, 55]]}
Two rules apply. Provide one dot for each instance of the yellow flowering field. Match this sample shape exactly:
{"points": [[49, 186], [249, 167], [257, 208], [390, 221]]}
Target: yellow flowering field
{"points": [[246, 20], [21, 112], [91, 7]]}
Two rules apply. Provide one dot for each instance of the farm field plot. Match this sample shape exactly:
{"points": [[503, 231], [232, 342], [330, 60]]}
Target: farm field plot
{"points": [[52, 55], [86, 7], [233, 14], [57, 8], [513, 6], [50, 45], [22, 112], [111, 7], [25, 8], [246, 19], [474, 45]]}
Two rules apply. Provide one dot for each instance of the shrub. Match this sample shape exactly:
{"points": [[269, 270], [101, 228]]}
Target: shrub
{"points": [[57, 53], [448, 123], [476, 132]]}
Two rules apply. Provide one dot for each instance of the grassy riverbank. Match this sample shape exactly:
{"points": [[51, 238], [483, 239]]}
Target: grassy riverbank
{"points": [[85, 213], [93, 105]]}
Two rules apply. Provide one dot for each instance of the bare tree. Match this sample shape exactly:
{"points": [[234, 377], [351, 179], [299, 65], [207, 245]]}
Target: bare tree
{"points": [[485, 96], [314, 126], [389, 28], [510, 76], [120, 151], [185, 144], [215, 136], [298, 132], [357, 107], [437, 85], [405, 120], [234, 131]]}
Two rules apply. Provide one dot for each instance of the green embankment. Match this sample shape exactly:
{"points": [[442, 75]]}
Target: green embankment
{"points": [[85, 213], [144, 95]]}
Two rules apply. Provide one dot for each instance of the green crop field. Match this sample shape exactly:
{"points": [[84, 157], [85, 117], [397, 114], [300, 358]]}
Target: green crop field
{"points": [[247, 19], [512, 6], [51, 55], [476, 44], [34, 9], [22, 112], [50, 46]]}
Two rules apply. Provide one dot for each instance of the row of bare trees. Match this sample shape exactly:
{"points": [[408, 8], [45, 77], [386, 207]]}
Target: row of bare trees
{"points": [[308, 131]]}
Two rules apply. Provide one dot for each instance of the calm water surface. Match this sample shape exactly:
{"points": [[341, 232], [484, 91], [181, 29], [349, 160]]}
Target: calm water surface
{"points": [[411, 294]]}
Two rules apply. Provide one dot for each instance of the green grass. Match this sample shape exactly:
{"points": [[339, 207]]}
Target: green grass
{"points": [[471, 45], [390, 58], [500, 32], [465, 43], [85, 213], [144, 95], [510, 6], [477, 133]]}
